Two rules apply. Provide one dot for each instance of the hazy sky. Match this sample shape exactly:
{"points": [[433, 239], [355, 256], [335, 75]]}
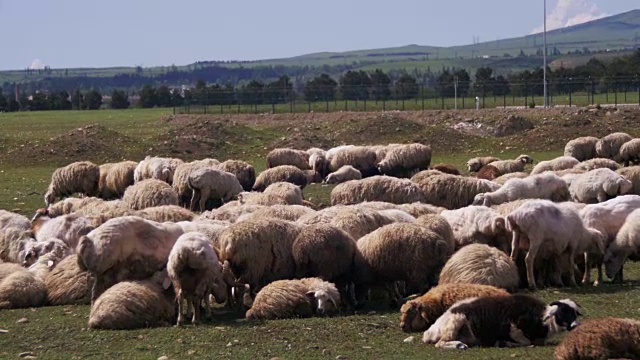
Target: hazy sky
{"points": [[86, 33]]}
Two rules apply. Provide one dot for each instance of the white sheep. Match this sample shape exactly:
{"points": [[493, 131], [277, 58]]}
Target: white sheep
{"points": [[609, 146], [509, 166], [209, 183], [477, 224], [559, 163], [630, 152], [68, 228], [627, 242], [598, 185], [582, 148], [343, 174], [542, 186], [154, 168], [477, 163]]}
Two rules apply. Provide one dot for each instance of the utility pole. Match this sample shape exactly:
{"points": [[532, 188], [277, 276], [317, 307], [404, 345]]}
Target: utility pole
{"points": [[544, 55]]}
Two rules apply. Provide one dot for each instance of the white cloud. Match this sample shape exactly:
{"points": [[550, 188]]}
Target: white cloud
{"points": [[569, 13], [36, 64]]}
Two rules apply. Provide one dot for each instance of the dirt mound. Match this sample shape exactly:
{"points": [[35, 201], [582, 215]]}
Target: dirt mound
{"points": [[511, 125]]}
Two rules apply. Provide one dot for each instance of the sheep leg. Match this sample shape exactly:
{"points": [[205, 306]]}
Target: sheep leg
{"points": [[529, 262], [194, 199], [518, 336], [515, 244], [450, 333], [195, 320], [587, 270], [572, 265], [189, 308], [204, 196], [180, 300], [207, 305]]}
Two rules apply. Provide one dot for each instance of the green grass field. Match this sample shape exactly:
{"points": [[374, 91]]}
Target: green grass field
{"points": [[61, 332]]}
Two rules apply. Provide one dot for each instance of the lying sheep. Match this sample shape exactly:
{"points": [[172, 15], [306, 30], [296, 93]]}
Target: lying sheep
{"points": [[54, 249], [446, 168], [418, 314], [510, 166], [284, 173], [78, 177], [601, 338], [502, 179], [597, 163], [626, 243], [630, 152], [475, 164], [244, 171], [67, 284], [20, 288], [542, 186], [166, 213], [559, 163], [212, 184], [454, 192], [489, 172], [582, 148], [377, 188], [362, 158], [9, 219], [135, 304], [481, 264], [598, 185], [195, 271], [13, 244], [425, 175], [477, 224], [405, 160], [343, 174], [294, 298], [631, 173], [68, 228], [125, 248], [609, 146], [115, 178], [149, 193], [286, 156]]}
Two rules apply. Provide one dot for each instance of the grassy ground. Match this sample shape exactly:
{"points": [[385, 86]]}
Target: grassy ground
{"points": [[26, 163]]}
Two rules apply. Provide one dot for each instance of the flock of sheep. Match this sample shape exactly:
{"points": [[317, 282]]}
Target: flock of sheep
{"points": [[133, 247]]}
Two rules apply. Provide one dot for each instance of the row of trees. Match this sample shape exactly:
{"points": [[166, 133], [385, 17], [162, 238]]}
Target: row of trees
{"points": [[62, 100]]}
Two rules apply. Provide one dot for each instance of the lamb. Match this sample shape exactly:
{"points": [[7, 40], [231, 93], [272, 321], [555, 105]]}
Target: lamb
{"points": [[294, 298], [166, 213], [66, 284], [115, 178], [601, 338], [631, 173], [630, 152], [154, 168], [609, 146], [542, 186], [489, 172], [149, 193], [245, 173], [477, 224], [552, 230], [597, 163], [598, 185], [514, 320], [377, 188], [475, 164], [259, 251], [20, 288], [559, 163], [286, 156], [402, 252], [405, 160], [509, 166], [454, 192], [9, 219], [362, 158], [626, 243], [124, 248], [135, 304], [284, 173], [343, 174], [582, 148], [68, 228], [506, 177], [481, 264], [78, 177], [420, 313], [195, 271], [209, 183], [446, 168]]}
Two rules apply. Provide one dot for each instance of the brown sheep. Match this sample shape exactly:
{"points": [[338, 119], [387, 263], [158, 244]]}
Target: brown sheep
{"points": [[245, 173], [454, 192], [446, 168], [115, 178], [68, 285], [488, 172], [601, 338], [149, 193], [78, 177]]}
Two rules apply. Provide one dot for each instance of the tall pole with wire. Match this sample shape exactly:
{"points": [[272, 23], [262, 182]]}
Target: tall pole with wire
{"points": [[544, 56]]}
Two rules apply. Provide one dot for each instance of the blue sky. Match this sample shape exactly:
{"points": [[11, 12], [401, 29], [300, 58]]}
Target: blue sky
{"points": [[81, 33]]}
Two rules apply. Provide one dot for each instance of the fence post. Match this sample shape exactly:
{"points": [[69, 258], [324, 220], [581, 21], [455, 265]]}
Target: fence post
{"points": [[504, 101], [422, 92], [570, 94], [615, 93], [327, 105]]}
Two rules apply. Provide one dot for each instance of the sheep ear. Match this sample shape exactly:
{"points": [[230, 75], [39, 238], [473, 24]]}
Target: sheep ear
{"points": [[166, 283]]}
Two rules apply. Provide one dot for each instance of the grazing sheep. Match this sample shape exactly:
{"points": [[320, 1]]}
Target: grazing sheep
{"points": [[454, 192], [166, 213], [286, 156], [446, 168], [259, 251], [318, 161], [289, 192], [438, 224], [212, 229], [582, 148], [630, 152], [181, 180], [510, 166], [124, 248], [9, 219], [313, 177], [154, 168], [475, 164], [135, 304], [489, 172], [215, 184], [354, 220], [343, 174], [149, 193], [78, 177], [481, 264], [195, 271], [67, 284], [426, 174], [68, 228], [609, 146], [405, 160], [362, 158], [514, 320], [418, 314], [402, 252], [115, 178], [244, 171], [284, 173], [284, 299], [506, 208], [597, 163], [601, 338], [626, 243], [260, 199], [20, 288], [230, 212], [506, 177], [631, 173], [284, 212], [557, 164], [598, 186], [377, 188], [397, 215], [14, 243], [542, 186], [552, 230], [418, 209], [477, 224]]}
